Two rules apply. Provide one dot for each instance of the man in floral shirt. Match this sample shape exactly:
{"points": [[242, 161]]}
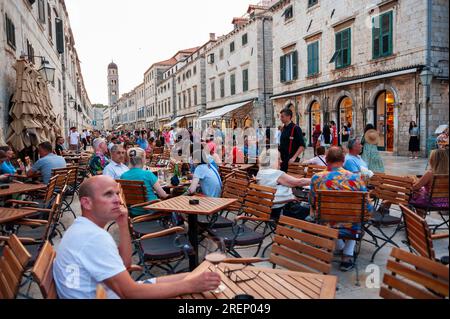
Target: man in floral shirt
{"points": [[99, 160], [337, 178]]}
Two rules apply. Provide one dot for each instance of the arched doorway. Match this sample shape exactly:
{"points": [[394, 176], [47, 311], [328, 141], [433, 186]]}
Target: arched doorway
{"points": [[384, 120], [345, 115], [315, 118]]}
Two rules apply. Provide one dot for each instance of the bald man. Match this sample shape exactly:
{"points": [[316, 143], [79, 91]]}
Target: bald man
{"points": [[88, 256]]}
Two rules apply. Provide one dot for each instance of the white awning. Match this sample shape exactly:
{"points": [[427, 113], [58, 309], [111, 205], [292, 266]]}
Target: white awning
{"points": [[223, 111], [178, 119], [119, 127]]}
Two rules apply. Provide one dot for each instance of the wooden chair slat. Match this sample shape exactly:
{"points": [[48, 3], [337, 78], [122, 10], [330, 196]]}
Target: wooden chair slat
{"points": [[22, 255], [406, 288], [303, 259], [309, 238], [306, 249], [305, 226]]}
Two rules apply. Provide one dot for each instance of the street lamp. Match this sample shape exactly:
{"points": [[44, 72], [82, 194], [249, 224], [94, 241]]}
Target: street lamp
{"points": [[75, 107], [46, 71], [426, 76]]}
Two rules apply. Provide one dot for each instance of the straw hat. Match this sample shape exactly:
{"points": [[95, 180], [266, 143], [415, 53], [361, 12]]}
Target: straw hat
{"points": [[372, 137]]}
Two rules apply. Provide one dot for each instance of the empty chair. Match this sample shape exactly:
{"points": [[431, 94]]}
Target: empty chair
{"points": [[43, 272], [414, 277], [12, 267]]}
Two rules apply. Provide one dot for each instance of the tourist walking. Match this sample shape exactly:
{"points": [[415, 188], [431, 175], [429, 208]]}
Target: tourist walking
{"points": [[74, 139], [315, 138], [292, 143], [414, 143], [371, 155]]}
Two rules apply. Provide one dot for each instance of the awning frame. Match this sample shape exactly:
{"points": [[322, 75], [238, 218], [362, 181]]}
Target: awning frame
{"points": [[221, 112]]}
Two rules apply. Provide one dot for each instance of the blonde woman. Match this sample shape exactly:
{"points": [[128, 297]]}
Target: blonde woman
{"points": [[438, 164]]}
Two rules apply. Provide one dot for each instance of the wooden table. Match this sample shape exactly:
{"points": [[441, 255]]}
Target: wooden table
{"points": [[8, 215], [269, 284], [180, 204], [19, 188]]}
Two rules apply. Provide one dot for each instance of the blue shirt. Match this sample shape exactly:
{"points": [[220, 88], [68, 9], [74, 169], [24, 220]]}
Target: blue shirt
{"points": [[7, 168], [210, 181], [354, 163], [142, 143], [46, 164]]}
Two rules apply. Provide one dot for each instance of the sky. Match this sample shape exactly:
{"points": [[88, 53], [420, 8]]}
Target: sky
{"points": [[137, 33]]}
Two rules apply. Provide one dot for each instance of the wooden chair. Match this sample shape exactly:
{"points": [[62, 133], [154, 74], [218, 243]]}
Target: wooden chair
{"points": [[387, 190], [224, 171], [135, 198], [12, 267], [414, 277], [257, 207], [42, 272], [439, 191], [313, 170], [45, 198], [419, 237], [232, 188], [344, 208], [67, 176], [297, 169], [300, 246]]}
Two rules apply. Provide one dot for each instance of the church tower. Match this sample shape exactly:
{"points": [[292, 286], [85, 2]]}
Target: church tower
{"points": [[113, 83]]}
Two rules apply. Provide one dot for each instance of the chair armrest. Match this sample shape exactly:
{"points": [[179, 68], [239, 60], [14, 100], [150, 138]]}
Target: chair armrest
{"points": [[37, 209], [135, 268], [174, 230], [439, 236], [32, 222], [23, 240], [144, 204], [146, 218], [245, 261], [255, 219], [21, 202]]}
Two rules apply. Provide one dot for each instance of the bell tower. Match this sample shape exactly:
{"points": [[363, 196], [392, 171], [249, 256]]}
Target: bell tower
{"points": [[113, 83]]}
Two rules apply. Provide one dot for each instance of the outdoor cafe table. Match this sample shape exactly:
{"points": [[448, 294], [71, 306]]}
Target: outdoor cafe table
{"points": [[8, 215], [207, 206], [268, 283], [20, 188]]}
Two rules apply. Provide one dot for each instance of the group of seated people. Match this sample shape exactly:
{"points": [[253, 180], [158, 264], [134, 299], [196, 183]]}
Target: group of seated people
{"points": [[42, 168]]}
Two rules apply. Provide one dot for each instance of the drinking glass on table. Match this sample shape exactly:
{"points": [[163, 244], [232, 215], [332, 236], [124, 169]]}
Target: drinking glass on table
{"points": [[216, 254]]}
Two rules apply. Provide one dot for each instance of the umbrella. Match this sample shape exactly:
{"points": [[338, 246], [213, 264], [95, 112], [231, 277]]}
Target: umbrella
{"points": [[32, 112]]}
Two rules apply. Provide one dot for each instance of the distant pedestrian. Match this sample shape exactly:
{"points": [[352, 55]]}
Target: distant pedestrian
{"points": [[315, 138], [371, 155], [414, 143], [84, 139], [74, 139]]}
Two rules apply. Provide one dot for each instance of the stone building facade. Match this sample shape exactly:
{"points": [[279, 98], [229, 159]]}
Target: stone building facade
{"points": [[360, 64], [239, 73], [34, 28]]}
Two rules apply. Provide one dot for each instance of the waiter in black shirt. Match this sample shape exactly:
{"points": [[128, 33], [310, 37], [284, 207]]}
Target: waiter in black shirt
{"points": [[292, 144]]}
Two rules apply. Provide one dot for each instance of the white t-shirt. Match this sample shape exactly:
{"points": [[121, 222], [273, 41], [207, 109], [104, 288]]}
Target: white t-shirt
{"points": [[172, 137], [269, 177], [318, 160], [86, 256], [74, 138], [83, 135], [88, 133]]}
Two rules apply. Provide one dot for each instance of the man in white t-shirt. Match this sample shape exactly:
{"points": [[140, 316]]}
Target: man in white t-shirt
{"points": [[74, 139], [88, 256]]}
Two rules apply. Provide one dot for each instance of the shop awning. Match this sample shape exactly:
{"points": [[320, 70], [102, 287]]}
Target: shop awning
{"points": [[178, 119], [217, 114]]}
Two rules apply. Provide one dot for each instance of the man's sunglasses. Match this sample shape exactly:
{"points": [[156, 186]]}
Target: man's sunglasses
{"points": [[233, 275]]}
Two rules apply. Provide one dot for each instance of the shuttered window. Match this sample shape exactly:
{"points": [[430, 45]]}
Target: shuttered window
{"points": [[10, 32], [233, 84], [245, 80], [289, 67], [342, 56], [382, 30], [313, 58]]}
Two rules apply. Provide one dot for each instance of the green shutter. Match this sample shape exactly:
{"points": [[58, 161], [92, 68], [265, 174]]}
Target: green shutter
{"points": [[310, 62], [282, 69], [349, 47], [386, 34], [294, 65], [316, 57], [338, 60], [375, 37]]}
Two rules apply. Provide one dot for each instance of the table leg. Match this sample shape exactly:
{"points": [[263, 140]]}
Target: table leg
{"points": [[193, 238]]}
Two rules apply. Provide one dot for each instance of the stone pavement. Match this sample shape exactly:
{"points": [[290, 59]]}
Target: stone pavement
{"points": [[347, 288]]}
